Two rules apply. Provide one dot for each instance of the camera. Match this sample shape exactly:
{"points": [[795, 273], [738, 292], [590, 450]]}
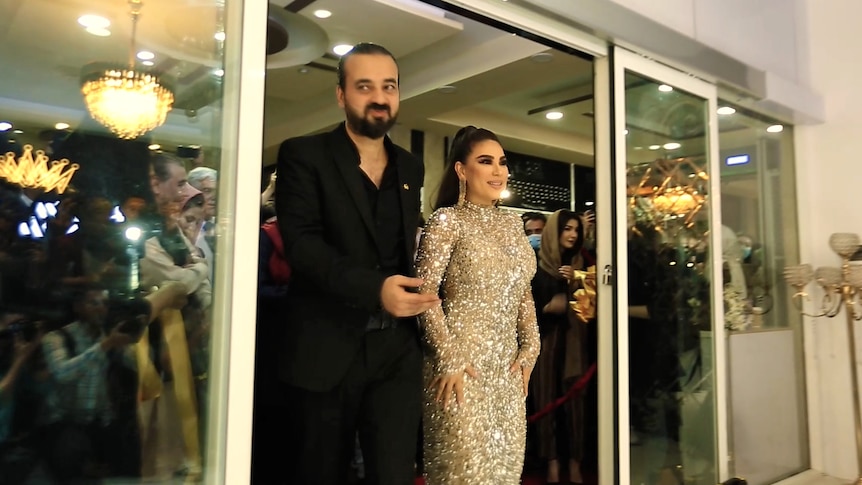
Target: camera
{"points": [[25, 327]]}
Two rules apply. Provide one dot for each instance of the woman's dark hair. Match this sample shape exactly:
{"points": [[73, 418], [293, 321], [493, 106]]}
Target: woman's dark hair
{"points": [[366, 48], [564, 218], [462, 145]]}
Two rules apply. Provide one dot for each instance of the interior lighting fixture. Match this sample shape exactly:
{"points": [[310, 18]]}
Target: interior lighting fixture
{"points": [[725, 110], [775, 128], [148, 63], [218, 72], [127, 101], [447, 89], [94, 21], [322, 14], [17, 132], [342, 49], [5, 125], [98, 31], [504, 194], [554, 115], [146, 56], [665, 88], [28, 172], [154, 146], [61, 126], [220, 36], [654, 147], [671, 145]]}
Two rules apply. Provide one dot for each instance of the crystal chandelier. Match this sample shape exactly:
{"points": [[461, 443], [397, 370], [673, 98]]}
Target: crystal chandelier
{"points": [[126, 101]]}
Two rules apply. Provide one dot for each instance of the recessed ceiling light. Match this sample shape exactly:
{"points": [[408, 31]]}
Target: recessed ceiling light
{"points": [[725, 110], [61, 126], [447, 89], [148, 63], [589, 203], [98, 31], [625, 132], [654, 147], [342, 49], [146, 56], [671, 145], [775, 128], [504, 194], [665, 88], [553, 115], [17, 132], [219, 36], [219, 72], [322, 14], [542, 57], [304, 70], [94, 21], [154, 146], [5, 125]]}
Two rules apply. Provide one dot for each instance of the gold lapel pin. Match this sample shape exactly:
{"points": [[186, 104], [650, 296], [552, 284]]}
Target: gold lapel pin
{"points": [[406, 187]]}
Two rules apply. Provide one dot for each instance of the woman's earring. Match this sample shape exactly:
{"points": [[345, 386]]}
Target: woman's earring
{"points": [[462, 191]]}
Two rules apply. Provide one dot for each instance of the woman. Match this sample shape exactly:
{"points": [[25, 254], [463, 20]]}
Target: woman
{"points": [[482, 340], [563, 358]]}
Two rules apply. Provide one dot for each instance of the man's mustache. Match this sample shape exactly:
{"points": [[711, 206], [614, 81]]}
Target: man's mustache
{"points": [[378, 107]]}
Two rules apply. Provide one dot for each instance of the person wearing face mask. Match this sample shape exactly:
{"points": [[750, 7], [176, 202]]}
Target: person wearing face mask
{"points": [[534, 224], [560, 435]]}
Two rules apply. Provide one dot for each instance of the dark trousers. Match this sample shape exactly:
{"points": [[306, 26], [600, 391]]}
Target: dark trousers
{"points": [[380, 398]]}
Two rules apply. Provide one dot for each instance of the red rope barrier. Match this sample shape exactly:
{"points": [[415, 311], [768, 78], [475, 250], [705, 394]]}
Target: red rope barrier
{"points": [[577, 387]]}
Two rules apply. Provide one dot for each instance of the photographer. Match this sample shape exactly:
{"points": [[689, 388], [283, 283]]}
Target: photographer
{"points": [[94, 432]]}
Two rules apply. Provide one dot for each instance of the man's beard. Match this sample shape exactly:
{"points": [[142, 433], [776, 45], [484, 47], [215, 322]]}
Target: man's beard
{"points": [[370, 128]]}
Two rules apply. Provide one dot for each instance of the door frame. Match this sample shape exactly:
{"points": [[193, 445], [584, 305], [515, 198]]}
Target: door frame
{"points": [[622, 60]]}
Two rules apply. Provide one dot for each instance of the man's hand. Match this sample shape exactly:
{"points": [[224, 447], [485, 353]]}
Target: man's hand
{"points": [[399, 302]]}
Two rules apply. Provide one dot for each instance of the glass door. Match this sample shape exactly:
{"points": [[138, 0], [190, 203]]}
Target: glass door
{"points": [[668, 283]]}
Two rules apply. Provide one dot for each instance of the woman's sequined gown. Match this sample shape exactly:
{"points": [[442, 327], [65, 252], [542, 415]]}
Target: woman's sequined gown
{"points": [[481, 261]]}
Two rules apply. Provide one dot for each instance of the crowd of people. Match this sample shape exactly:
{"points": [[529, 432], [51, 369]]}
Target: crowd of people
{"points": [[398, 354]]}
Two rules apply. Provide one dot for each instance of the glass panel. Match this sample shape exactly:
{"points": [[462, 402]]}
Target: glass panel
{"points": [[107, 250], [758, 197], [670, 326]]}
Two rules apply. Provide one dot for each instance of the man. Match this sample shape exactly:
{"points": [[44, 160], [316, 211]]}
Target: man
{"points": [[534, 224], [348, 204], [205, 179], [95, 383]]}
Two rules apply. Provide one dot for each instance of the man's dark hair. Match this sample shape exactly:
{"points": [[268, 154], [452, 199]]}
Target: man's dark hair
{"points": [[366, 48], [160, 162], [533, 216]]}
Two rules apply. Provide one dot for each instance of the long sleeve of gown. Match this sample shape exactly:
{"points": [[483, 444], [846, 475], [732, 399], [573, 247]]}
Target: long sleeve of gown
{"points": [[432, 261], [528, 330]]}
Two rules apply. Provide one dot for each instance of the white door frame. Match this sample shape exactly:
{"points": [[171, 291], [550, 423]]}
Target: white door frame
{"points": [[624, 60]]}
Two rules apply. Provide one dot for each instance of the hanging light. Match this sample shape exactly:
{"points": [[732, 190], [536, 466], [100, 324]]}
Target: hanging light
{"points": [[127, 101]]}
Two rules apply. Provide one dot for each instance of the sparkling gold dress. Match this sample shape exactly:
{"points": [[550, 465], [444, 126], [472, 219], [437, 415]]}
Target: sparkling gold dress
{"points": [[481, 260]]}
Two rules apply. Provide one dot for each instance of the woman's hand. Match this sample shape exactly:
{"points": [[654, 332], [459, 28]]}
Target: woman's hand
{"points": [[567, 273], [449, 383], [525, 374]]}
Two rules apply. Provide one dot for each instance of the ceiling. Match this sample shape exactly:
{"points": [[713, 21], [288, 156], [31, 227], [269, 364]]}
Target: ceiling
{"points": [[501, 81]]}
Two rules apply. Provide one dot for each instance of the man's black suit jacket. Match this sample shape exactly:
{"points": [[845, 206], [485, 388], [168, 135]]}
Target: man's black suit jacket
{"points": [[330, 241]]}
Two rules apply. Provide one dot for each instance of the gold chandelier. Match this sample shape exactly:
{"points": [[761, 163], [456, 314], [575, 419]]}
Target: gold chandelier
{"points": [[28, 172], [126, 101]]}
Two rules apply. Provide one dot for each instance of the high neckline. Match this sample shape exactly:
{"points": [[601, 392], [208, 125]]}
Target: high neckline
{"points": [[478, 207]]}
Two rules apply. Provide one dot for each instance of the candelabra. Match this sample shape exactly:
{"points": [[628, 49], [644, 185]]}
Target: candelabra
{"points": [[839, 286]]}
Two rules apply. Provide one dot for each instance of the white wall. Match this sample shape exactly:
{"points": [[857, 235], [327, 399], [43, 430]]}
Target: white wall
{"points": [[761, 33], [829, 184]]}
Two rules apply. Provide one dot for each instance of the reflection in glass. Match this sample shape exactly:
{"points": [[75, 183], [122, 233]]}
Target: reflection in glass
{"points": [[106, 248], [670, 327], [764, 346]]}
